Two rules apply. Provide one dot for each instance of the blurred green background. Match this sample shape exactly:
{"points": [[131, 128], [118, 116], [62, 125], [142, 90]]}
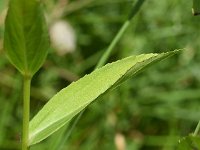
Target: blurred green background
{"points": [[149, 112]]}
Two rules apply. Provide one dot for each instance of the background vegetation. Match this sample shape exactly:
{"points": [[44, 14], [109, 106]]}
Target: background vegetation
{"points": [[150, 111]]}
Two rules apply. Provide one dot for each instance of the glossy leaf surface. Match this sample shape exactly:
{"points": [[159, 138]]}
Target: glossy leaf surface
{"points": [[71, 100]]}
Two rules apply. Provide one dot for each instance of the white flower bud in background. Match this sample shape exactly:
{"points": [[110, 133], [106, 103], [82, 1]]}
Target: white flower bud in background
{"points": [[120, 141], [63, 37]]}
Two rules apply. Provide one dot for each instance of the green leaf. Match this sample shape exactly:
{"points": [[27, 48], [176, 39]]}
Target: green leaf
{"points": [[78, 95], [26, 37], [189, 143], [196, 7]]}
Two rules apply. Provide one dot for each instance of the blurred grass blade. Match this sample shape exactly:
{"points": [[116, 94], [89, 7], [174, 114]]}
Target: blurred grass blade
{"points": [[26, 37], [74, 98], [189, 143], [116, 39], [58, 140], [135, 9], [196, 7]]}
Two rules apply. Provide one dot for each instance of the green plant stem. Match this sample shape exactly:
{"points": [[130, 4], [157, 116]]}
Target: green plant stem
{"points": [[107, 53], [26, 111], [116, 39], [135, 9], [109, 50], [197, 129]]}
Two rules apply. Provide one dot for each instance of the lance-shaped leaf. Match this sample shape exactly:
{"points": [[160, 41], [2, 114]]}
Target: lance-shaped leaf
{"points": [[71, 100], [26, 37]]}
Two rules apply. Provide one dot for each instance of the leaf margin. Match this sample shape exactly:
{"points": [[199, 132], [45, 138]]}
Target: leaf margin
{"points": [[114, 85]]}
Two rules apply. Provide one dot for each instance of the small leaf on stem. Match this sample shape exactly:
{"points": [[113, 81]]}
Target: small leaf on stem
{"points": [[26, 37]]}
